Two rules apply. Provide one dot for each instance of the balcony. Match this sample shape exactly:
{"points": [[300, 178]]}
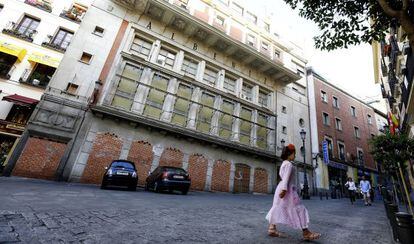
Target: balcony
{"points": [[49, 44], [35, 78], [18, 31], [43, 5], [75, 13]]}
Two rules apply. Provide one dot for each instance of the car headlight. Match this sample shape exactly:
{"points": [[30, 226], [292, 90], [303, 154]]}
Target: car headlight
{"points": [[134, 175], [109, 173]]}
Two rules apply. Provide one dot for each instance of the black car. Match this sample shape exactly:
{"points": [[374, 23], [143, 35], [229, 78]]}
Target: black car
{"points": [[120, 173], [168, 178]]}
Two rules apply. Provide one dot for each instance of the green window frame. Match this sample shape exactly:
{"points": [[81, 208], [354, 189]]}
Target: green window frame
{"points": [[262, 130], [156, 96], [182, 105], [245, 125], [127, 86], [205, 113], [226, 119]]}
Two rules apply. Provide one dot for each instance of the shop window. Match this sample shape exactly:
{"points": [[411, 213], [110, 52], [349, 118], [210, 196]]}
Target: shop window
{"points": [[245, 125], [39, 76], [226, 119], [75, 13], [127, 86], [19, 114], [205, 113], [189, 67], [229, 84], [182, 105], [6, 65], [210, 76], [262, 130], [86, 58], [141, 46], [156, 96], [166, 58], [247, 92]]}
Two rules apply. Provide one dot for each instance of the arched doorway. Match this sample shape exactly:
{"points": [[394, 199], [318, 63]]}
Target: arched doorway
{"points": [[241, 179]]}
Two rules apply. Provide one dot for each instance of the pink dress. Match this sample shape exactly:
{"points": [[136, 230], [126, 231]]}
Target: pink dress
{"points": [[288, 210]]}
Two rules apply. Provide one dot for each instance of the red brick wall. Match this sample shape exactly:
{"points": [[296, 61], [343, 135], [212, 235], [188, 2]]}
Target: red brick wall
{"points": [[141, 154], [172, 157], [106, 147], [221, 176], [243, 184], [348, 122], [197, 168], [40, 159], [260, 180]]}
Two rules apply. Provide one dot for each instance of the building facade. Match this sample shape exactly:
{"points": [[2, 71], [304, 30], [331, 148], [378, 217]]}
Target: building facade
{"points": [[34, 37], [345, 124], [202, 85]]}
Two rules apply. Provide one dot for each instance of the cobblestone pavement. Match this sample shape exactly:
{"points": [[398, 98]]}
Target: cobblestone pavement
{"points": [[35, 211]]}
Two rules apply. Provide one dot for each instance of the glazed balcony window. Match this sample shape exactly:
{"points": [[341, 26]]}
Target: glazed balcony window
{"points": [[156, 96], [205, 113], [262, 130], [127, 86], [189, 67], [230, 84], [182, 105], [210, 76], [247, 92], [60, 41], [245, 125], [263, 98], [25, 29], [166, 58], [74, 13], [39, 76], [45, 5], [141, 46], [226, 119]]}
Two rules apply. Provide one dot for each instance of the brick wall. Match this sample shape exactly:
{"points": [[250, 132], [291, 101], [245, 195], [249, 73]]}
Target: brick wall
{"points": [[106, 147], [221, 176], [260, 180], [243, 172], [142, 155], [40, 159], [197, 168], [172, 157]]}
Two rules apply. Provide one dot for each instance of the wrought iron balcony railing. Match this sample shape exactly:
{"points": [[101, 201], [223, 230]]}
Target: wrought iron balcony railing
{"points": [[49, 44], [21, 32]]}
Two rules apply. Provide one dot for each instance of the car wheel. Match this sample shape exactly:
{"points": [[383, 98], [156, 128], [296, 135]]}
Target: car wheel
{"points": [[103, 185]]}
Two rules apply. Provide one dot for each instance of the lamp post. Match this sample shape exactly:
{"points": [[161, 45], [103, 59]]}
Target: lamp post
{"points": [[305, 193]]}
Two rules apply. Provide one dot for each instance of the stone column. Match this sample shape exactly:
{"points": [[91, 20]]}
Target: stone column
{"points": [[220, 79], [169, 101], [209, 174], [272, 103], [192, 113], [253, 132], [125, 148], [239, 87], [271, 140], [142, 91], [155, 50], [216, 116], [157, 149], [185, 161], [235, 128], [178, 62], [200, 71], [251, 183], [231, 177]]}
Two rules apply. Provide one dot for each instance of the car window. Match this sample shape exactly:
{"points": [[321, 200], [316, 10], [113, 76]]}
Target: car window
{"points": [[122, 164], [175, 170]]}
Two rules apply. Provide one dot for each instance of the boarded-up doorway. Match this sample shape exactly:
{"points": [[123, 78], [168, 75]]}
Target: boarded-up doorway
{"points": [[241, 178]]}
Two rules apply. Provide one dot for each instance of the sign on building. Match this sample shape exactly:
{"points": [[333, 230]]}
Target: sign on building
{"points": [[325, 152]]}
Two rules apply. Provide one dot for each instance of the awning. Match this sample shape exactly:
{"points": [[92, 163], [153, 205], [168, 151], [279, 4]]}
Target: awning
{"points": [[20, 100], [337, 165], [14, 50], [44, 59]]}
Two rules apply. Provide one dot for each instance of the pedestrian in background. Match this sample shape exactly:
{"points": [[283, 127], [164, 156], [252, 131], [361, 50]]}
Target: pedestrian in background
{"points": [[350, 184], [287, 208], [365, 188]]}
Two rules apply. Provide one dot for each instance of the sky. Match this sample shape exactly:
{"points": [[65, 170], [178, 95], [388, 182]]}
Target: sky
{"points": [[350, 69]]}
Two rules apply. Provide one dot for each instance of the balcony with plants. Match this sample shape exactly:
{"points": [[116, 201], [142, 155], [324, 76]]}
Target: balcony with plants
{"points": [[20, 31], [41, 4]]}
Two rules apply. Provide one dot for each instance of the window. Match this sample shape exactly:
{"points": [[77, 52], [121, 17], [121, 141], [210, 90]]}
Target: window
{"points": [[284, 129], [1, 7], [189, 67], [263, 98], [237, 8], [251, 17], [267, 27], [226, 119], [86, 58], [229, 84], [245, 125], [341, 151], [262, 130], [220, 20], [210, 76], [369, 119], [265, 46], [301, 122], [141, 46], [324, 97], [325, 119], [353, 111], [27, 26], [335, 102], [330, 147], [98, 31], [247, 92], [75, 13], [251, 40], [277, 54], [71, 88], [338, 124], [166, 58], [62, 39], [127, 86], [360, 156], [182, 105], [205, 113], [356, 132], [284, 109], [156, 96]]}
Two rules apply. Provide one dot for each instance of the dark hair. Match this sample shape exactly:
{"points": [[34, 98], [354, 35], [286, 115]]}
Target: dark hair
{"points": [[288, 150]]}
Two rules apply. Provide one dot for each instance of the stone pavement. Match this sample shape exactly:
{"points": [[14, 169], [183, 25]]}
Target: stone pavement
{"points": [[36, 211]]}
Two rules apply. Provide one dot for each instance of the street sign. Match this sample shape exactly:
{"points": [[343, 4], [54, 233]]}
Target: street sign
{"points": [[325, 152]]}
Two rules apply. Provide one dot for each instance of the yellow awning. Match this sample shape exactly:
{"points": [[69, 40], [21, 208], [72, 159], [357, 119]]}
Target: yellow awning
{"points": [[14, 50], [44, 59]]}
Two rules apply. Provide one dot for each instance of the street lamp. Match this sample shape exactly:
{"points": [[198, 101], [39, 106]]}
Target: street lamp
{"points": [[305, 193]]}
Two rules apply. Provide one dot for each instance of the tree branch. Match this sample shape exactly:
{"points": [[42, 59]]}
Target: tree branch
{"points": [[387, 9]]}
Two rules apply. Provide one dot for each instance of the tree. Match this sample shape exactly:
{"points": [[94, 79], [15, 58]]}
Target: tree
{"points": [[351, 22]]}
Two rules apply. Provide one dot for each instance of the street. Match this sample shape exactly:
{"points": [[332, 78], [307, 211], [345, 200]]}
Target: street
{"points": [[37, 211]]}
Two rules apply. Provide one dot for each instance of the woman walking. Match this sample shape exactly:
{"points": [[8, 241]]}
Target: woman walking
{"points": [[350, 184], [287, 208]]}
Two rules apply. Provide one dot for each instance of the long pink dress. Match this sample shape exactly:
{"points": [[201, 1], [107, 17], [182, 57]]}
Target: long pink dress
{"points": [[288, 210]]}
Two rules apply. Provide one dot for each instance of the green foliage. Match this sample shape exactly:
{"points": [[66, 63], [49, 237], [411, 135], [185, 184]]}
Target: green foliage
{"points": [[344, 22], [389, 150]]}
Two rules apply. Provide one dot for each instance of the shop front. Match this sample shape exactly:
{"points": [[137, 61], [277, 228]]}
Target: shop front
{"points": [[338, 174], [42, 69], [9, 55]]}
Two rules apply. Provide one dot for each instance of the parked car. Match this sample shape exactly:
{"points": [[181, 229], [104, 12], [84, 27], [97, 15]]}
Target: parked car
{"points": [[168, 178], [120, 173]]}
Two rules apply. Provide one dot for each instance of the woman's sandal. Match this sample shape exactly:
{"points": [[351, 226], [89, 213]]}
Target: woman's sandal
{"points": [[274, 233], [310, 236]]}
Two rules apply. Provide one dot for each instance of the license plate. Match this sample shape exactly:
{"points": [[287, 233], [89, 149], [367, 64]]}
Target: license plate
{"points": [[122, 173], [178, 177]]}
